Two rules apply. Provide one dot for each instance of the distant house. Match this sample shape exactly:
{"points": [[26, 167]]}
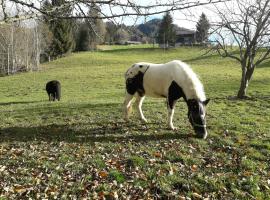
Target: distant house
{"points": [[185, 36]]}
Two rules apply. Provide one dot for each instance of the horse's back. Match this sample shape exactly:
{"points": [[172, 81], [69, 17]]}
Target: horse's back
{"points": [[174, 70], [159, 77]]}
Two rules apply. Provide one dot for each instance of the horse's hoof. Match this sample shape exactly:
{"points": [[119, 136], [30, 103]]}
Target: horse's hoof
{"points": [[173, 128], [202, 136], [144, 120]]}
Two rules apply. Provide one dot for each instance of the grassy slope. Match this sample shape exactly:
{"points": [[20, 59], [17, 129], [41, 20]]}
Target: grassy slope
{"points": [[81, 146]]}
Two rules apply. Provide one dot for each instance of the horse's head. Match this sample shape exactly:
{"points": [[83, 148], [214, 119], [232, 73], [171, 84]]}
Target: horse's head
{"points": [[136, 69], [196, 116]]}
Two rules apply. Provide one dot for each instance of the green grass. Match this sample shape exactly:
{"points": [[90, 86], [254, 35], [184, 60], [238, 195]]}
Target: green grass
{"points": [[81, 147]]}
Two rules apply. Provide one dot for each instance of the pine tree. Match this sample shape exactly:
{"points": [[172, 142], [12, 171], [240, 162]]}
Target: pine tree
{"points": [[83, 37], [91, 30], [202, 29], [111, 30], [62, 30], [96, 26], [166, 34]]}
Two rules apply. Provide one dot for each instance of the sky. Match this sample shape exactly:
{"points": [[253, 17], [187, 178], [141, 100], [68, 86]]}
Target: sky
{"points": [[186, 18]]}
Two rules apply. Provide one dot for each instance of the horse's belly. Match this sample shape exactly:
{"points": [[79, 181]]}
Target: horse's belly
{"points": [[155, 91], [155, 94], [156, 83]]}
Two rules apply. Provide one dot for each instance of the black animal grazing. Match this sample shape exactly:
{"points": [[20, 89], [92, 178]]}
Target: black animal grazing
{"points": [[53, 89]]}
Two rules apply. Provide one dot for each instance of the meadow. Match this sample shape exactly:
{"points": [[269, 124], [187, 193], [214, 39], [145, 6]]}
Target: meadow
{"points": [[81, 148]]}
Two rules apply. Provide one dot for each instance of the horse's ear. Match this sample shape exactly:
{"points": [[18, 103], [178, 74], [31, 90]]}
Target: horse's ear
{"points": [[206, 102]]}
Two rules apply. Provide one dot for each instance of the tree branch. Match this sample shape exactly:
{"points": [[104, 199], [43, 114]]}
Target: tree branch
{"points": [[32, 8]]}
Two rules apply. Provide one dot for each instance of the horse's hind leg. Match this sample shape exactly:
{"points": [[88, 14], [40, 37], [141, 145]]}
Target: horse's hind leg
{"points": [[139, 101], [171, 104], [127, 105]]}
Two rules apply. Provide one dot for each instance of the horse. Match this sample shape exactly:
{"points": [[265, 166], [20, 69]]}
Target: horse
{"points": [[53, 89], [172, 81]]}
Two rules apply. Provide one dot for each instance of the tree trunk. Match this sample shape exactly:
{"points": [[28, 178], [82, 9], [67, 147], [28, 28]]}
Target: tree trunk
{"points": [[246, 76], [242, 92]]}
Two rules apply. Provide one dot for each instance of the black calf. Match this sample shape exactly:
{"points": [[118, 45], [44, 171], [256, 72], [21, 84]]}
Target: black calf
{"points": [[53, 89]]}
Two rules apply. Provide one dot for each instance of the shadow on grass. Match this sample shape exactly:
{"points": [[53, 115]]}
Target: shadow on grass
{"points": [[50, 109], [265, 64], [201, 57], [19, 102], [251, 98], [97, 132]]}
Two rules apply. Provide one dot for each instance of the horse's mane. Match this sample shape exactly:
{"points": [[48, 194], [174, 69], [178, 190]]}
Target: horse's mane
{"points": [[194, 88]]}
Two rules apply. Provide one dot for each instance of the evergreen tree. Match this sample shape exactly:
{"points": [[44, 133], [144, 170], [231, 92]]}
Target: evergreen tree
{"points": [[96, 26], [111, 30], [82, 37], [166, 33], [91, 31], [202, 29], [62, 29]]}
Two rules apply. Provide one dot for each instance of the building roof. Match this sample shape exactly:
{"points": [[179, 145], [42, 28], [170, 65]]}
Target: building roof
{"points": [[184, 31]]}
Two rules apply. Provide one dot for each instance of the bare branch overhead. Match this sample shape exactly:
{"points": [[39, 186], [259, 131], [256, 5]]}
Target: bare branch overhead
{"points": [[29, 9]]}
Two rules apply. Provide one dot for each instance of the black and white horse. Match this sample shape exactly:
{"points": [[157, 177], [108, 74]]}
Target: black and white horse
{"points": [[172, 80]]}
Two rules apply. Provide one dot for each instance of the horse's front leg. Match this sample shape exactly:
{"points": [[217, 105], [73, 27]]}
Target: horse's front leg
{"points": [[139, 101], [127, 105], [171, 106]]}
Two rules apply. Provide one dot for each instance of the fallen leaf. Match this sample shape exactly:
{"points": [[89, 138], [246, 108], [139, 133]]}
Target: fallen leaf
{"points": [[114, 195], [194, 168], [2, 168], [21, 188], [196, 195], [157, 154], [101, 195], [247, 173], [103, 174]]}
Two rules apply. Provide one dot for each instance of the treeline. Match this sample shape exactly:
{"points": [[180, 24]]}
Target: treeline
{"points": [[167, 31], [62, 36]]}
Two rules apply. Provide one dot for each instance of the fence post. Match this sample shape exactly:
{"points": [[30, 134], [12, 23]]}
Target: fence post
{"points": [[12, 48], [8, 59], [37, 47]]}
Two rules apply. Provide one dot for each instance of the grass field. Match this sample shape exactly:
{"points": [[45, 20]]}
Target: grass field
{"points": [[81, 147]]}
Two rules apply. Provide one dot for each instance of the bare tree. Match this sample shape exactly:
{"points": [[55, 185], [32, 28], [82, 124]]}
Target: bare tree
{"points": [[19, 48], [46, 39], [28, 9], [248, 27]]}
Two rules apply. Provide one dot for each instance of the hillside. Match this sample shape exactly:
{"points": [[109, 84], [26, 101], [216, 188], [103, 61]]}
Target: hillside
{"points": [[150, 28], [81, 148]]}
